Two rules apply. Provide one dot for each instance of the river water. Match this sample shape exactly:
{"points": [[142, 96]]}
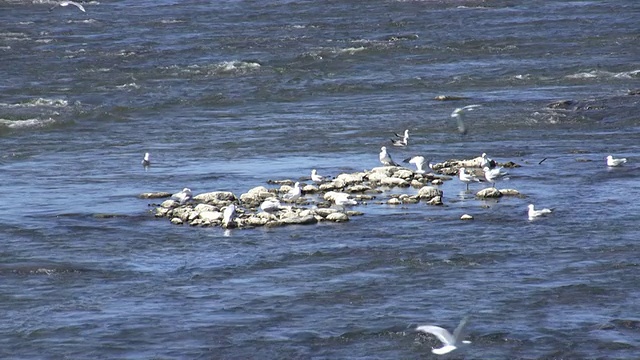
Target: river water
{"points": [[226, 95]]}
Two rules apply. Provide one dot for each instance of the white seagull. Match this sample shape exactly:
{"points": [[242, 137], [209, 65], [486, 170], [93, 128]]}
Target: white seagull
{"points": [[385, 158], [467, 177], [494, 174], [67, 3], [270, 205], [611, 162], [340, 198], [418, 161], [229, 216], [183, 196], [145, 161], [458, 113], [403, 141], [317, 178], [487, 162], [537, 213], [293, 194], [450, 342]]}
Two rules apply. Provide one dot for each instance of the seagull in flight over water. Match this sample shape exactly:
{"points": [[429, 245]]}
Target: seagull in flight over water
{"points": [[402, 141], [458, 113], [450, 342], [67, 3]]}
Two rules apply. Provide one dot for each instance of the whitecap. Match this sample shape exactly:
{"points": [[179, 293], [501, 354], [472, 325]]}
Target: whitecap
{"points": [[26, 123]]}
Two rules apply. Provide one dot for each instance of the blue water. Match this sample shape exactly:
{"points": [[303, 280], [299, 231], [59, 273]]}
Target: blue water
{"points": [[231, 94]]}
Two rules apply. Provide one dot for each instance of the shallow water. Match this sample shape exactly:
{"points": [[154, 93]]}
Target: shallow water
{"points": [[228, 95]]}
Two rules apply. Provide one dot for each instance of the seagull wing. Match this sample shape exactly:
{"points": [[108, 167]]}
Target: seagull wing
{"points": [[442, 334], [458, 333], [77, 5]]}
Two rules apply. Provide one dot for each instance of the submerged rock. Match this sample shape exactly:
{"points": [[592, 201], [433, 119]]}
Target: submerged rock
{"points": [[155, 195]]}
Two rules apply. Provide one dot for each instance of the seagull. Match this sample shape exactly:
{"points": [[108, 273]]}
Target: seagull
{"points": [[403, 141], [183, 196], [385, 158], [611, 162], [450, 342], [537, 213], [229, 216], [418, 161], [67, 3], [293, 194], [487, 162], [317, 178], [458, 114], [145, 161], [271, 205], [494, 174], [467, 177]]}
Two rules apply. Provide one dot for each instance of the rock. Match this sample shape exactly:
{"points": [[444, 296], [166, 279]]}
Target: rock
{"points": [[256, 195], [300, 220], [211, 216], [437, 182], [205, 207], [325, 212], [448, 98], [429, 192], [176, 221], [386, 170], [169, 204], [489, 193], [257, 221], [393, 181], [328, 186], [350, 179], [437, 200], [358, 188], [162, 212], [215, 197], [309, 189], [509, 192], [403, 174], [376, 177], [154, 195], [509, 164], [466, 217], [394, 201], [338, 217]]}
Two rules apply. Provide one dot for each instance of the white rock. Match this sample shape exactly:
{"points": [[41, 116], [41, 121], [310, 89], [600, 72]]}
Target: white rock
{"points": [[394, 201], [429, 192], [338, 217], [211, 216], [489, 193], [215, 197], [466, 217], [393, 181]]}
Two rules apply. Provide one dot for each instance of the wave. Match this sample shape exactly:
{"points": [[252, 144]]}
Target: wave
{"points": [[234, 67], [26, 123], [601, 74], [38, 102]]}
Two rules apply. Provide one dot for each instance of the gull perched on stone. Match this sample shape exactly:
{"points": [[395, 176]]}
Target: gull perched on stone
{"points": [[487, 162], [229, 216], [403, 141], [270, 205], [450, 342], [467, 177], [611, 162], [418, 161], [385, 158], [145, 160], [537, 213], [67, 3], [458, 113], [293, 194], [317, 178], [494, 174], [183, 196]]}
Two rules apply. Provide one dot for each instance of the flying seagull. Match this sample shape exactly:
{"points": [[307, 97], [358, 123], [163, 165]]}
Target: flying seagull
{"points": [[450, 342], [67, 3], [458, 114]]}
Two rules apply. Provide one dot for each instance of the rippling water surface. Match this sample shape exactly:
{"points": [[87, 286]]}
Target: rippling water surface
{"points": [[226, 95]]}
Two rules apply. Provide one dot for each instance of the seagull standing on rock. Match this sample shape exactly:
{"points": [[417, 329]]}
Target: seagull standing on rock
{"points": [[450, 342], [183, 196], [271, 205], [293, 194], [229, 216], [385, 158], [494, 174], [466, 177], [317, 178]]}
